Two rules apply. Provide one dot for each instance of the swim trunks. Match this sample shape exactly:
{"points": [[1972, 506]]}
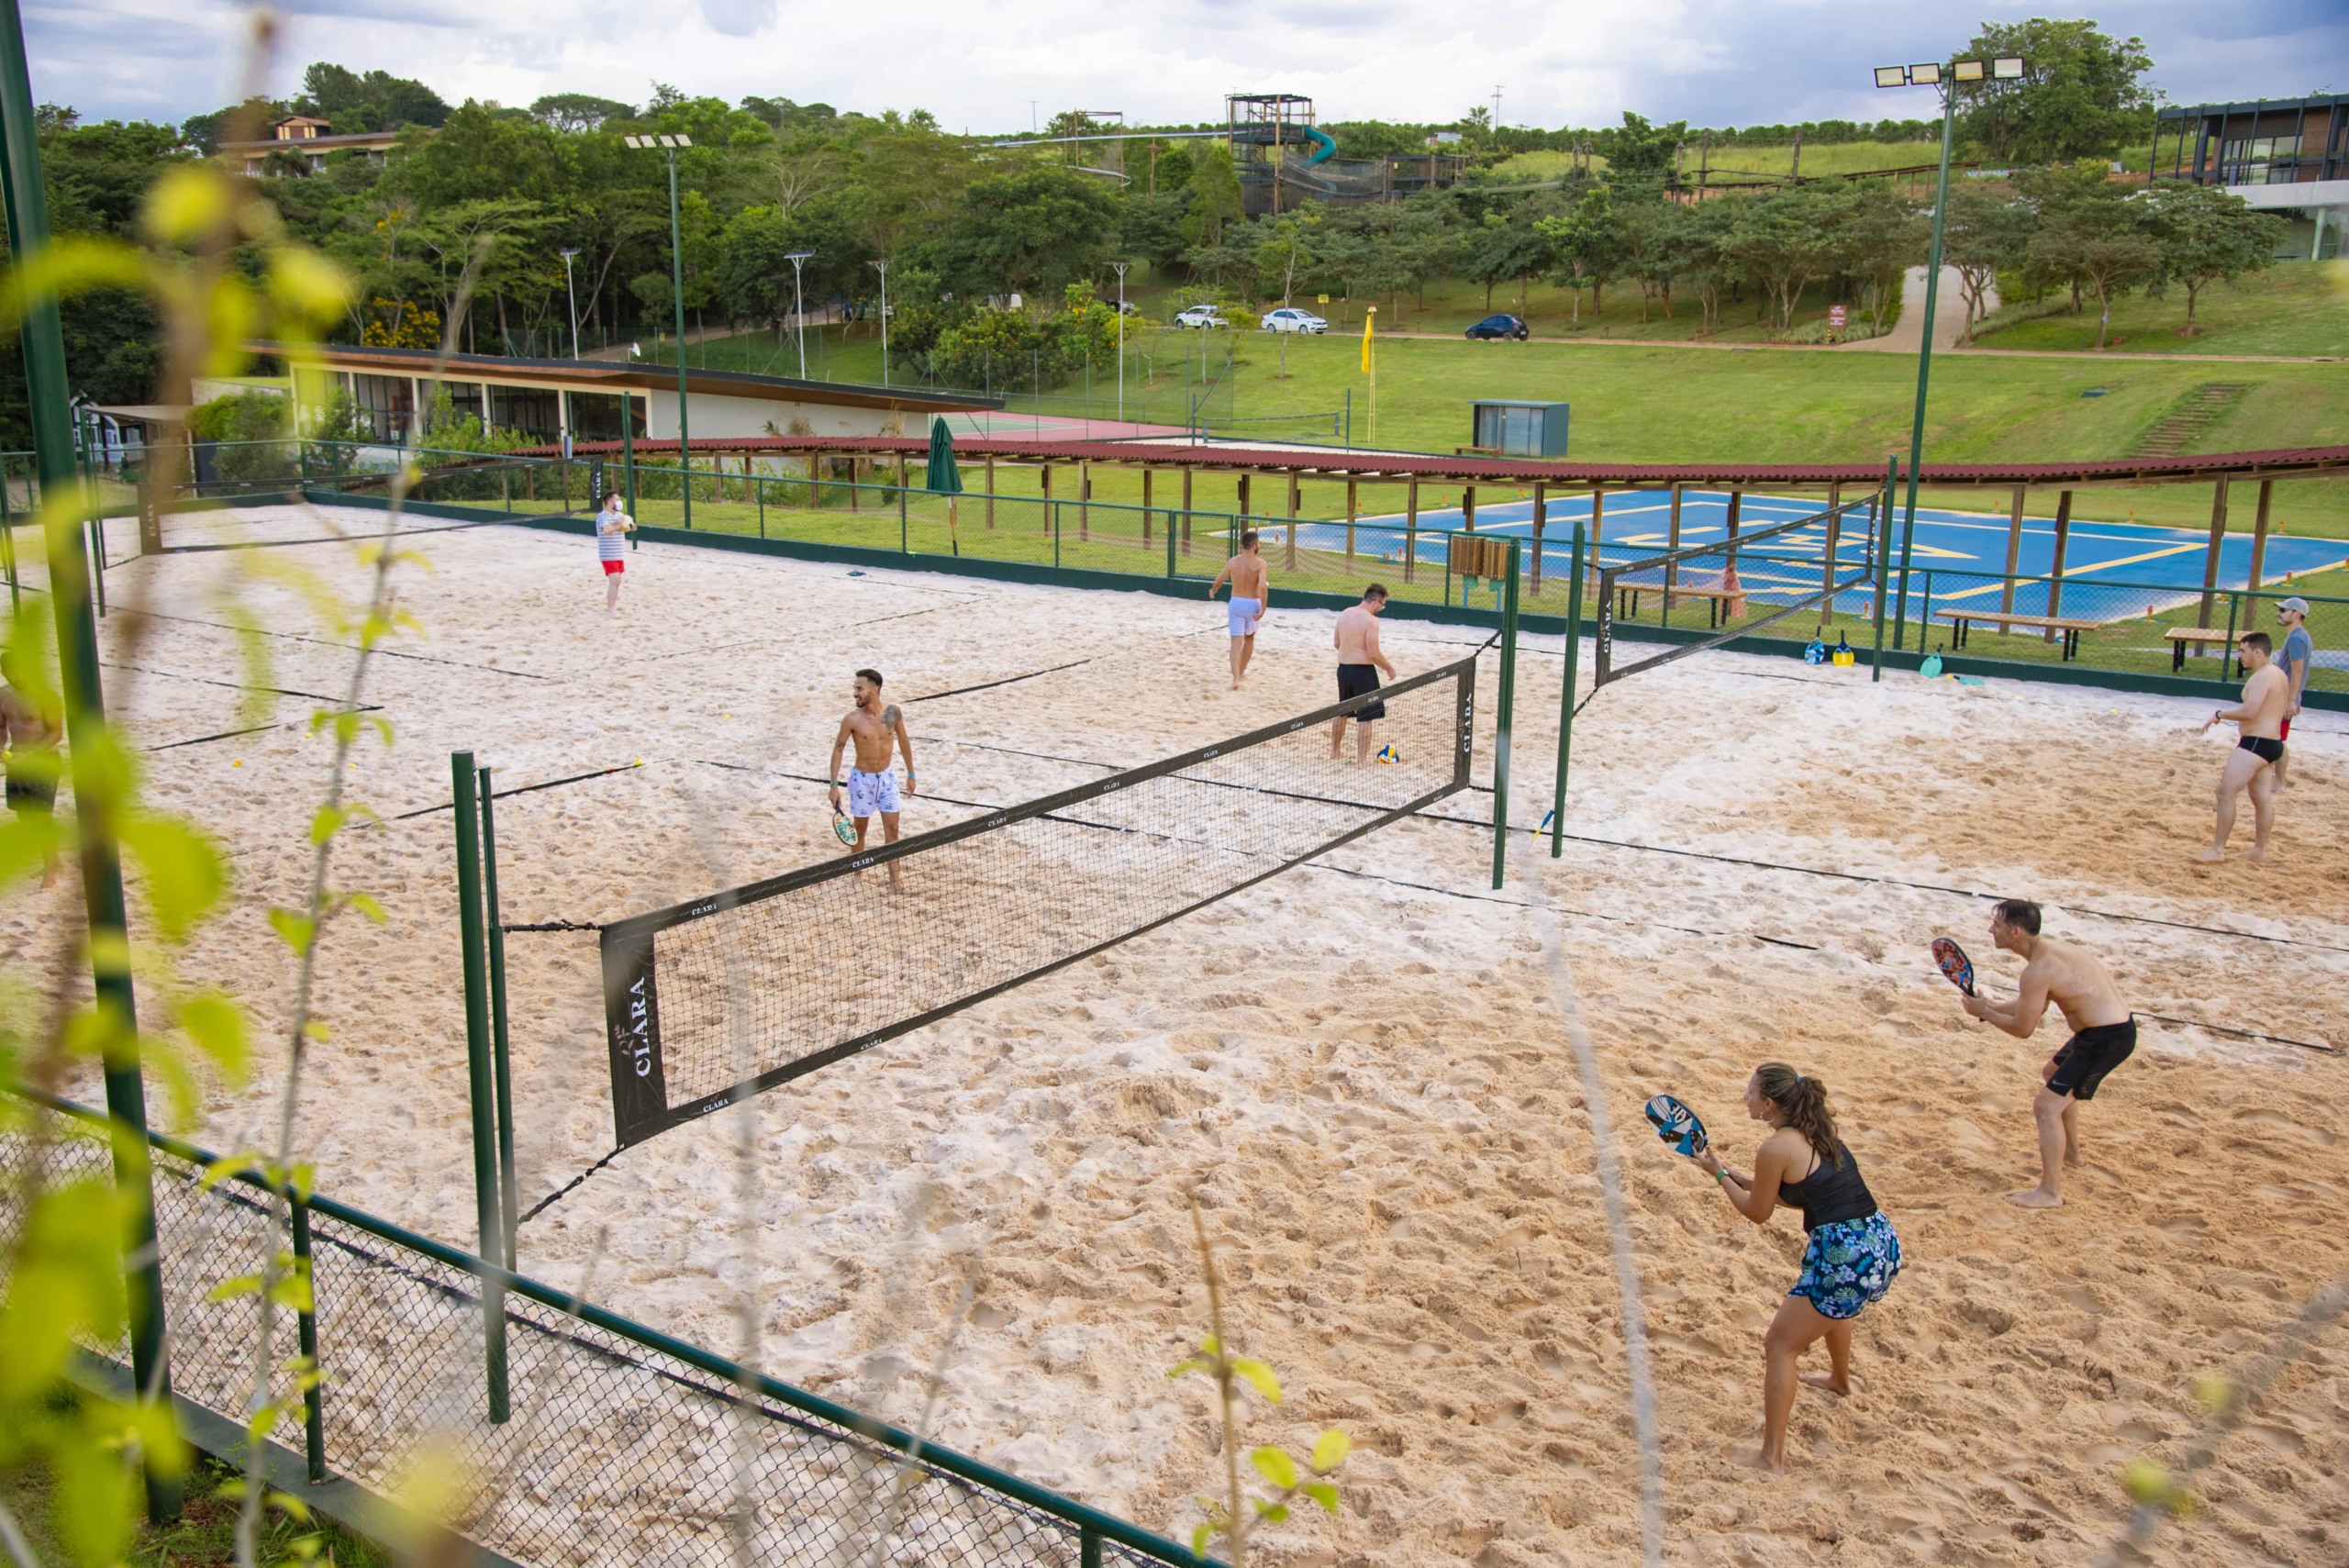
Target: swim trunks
{"points": [[28, 794], [1244, 613], [2261, 747], [1847, 1264], [1356, 680], [869, 793], [614, 568], [2088, 1055]]}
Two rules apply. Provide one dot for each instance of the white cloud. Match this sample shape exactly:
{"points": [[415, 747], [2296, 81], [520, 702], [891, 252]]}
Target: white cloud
{"points": [[1564, 61]]}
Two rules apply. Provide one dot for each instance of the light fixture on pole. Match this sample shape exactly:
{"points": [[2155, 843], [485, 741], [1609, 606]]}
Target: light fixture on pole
{"points": [[884, 268], [1120, 269], [798, 309], [2005, 68], [572, 297], [669, 143]]}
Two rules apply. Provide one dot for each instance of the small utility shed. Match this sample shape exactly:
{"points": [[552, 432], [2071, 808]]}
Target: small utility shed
{"points": [[1510, 427]]}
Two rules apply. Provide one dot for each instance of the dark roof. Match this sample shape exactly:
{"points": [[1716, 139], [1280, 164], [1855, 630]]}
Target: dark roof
{"points": [[1355, 463], [614, 375], [2263, 105]]}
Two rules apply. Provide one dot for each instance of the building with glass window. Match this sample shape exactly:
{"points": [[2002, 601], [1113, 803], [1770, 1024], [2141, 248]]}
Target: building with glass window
{"points": [[2288, 156]]}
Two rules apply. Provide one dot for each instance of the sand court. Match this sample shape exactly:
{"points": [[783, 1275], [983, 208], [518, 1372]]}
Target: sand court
{"points": [[1360, 1066]]}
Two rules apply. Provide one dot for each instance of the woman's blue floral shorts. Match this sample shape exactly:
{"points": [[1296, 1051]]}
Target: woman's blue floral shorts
{"points": [[1848, 1265]]}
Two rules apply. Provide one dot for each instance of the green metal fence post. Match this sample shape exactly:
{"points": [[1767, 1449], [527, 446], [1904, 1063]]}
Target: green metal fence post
{"points": [[904, 547], [480, 1078], [1504, 710], [1880, 534], [2234, 608], [1170, 546], [41, 340], [1088, 1549], [1925, 620], [1052, 520], [1566, 697], [314, 1413], [760, 485], [501, 1060]]}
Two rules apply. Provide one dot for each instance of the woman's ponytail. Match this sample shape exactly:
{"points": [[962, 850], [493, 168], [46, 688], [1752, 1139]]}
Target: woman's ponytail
{"points": [[1802, 1101]]}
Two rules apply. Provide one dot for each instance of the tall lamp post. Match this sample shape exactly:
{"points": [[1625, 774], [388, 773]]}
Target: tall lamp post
{"points": [[1120, 269], [2005, 67], [799, 306], [669, 143], [571, 297], [884, 268]]}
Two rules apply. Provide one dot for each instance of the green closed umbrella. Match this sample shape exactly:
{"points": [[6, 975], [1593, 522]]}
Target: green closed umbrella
{"points": [[943, 478]]}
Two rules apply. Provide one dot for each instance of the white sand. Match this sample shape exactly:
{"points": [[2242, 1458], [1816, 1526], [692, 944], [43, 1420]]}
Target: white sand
{"points": [[1366, 1082]]}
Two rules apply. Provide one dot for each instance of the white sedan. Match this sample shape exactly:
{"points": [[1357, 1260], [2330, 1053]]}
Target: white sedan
{"points": [[1288, 318], [1202, 315]]}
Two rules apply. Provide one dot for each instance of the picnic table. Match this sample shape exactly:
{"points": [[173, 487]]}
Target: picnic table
{"points": [[2070, 626], [1717, 601], [2182, 638]]}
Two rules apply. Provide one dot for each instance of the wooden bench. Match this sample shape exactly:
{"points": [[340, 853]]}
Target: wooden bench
{"points": [[2069, 626], [1717, 601], [2183, 638]]}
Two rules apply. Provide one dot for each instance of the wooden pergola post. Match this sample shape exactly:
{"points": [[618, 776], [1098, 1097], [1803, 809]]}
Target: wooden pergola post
{"points": [[990, 485], [1187, 511], [1145, 506], [2211, 554], [2014, 554], [1598, 523], [1084, 501], [1672, 541], [1243, 495], [1826, 559], [1468, 509], [1540, 519], [1410, 530], [2055, 570], [1048, 497], [1291, 530], [2259, 534], [855, 478], [1352, 510]]}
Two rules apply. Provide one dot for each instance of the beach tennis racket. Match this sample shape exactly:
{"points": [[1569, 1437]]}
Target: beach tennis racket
{"points": [[1956, 968], [1677, 1125], [843, 828]]}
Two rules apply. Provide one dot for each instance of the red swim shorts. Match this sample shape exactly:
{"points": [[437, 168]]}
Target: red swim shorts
{"points": [[614, 568], [2283, 731]]}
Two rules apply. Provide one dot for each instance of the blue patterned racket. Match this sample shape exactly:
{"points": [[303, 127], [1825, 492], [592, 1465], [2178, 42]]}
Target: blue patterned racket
{"points": [[1677, 1125], [1956, 968]]}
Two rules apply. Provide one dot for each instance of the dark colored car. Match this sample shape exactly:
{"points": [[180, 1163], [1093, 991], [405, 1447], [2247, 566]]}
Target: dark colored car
{"points": [[1500, 327]]}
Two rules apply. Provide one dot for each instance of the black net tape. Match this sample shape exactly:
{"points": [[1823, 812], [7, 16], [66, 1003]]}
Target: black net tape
{"points": [[742, 990]]}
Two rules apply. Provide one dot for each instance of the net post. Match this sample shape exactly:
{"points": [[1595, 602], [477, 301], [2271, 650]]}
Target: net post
{"points": [[479, 1079], [1566, 697], [628, 455], [501, 1060], [306, 1321], [1505, 706], [1880, 540]]}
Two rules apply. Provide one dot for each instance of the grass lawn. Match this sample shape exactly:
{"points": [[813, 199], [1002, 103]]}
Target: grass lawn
{"points": [[204, 1536], [2294, 308]]}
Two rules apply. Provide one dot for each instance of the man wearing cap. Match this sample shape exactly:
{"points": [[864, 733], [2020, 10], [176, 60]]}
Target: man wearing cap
{"points": [[2298, 653]]}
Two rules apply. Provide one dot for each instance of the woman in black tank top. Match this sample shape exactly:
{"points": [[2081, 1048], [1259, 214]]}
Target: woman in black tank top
{"points": [[1852, 1253]]}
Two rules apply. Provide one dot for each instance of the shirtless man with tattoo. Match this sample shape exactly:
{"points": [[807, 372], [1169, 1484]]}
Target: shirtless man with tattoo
{"points": [[878, 732]]}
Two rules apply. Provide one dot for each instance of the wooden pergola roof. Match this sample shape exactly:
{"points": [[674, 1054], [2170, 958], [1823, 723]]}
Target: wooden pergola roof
{"points": [[1334, 462]]}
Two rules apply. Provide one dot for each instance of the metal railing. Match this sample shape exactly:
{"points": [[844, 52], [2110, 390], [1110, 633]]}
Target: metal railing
{"points": [[618, 1449]]}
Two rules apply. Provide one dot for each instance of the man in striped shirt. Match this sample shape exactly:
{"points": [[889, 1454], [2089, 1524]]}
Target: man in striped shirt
{"points": [[612, 526]]}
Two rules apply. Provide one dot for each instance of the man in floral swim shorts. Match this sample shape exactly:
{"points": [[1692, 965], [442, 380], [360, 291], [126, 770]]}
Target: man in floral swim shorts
{"points": [[878, 733]]}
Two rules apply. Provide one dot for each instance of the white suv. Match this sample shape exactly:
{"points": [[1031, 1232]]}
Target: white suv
{"points": [[1288, 318], [1202, 315]]}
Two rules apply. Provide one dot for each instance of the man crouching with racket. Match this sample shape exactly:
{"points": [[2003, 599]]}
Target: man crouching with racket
{"points": [[2103, 1034], [878, 732]]}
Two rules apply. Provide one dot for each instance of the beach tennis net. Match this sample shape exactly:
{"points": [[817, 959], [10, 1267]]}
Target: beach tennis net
{"points": [[1703, 595], [734, 993]]}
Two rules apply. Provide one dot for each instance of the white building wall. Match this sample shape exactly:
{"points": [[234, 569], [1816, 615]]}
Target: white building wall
{"points": [[714, 415]]}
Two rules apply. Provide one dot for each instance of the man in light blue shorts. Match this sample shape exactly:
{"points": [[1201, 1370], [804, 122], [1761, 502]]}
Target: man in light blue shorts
{"points": [[1251, 577], [879, 733]]}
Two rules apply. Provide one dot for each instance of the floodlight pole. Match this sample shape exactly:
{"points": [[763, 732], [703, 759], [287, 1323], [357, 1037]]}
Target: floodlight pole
{"points": [[1924, 366], [572, 297], [677, 299], [1120, 269], [799, 308], [884, 267], [41, 338]]}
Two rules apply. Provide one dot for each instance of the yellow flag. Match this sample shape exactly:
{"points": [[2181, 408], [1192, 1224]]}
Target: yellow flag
{"points": [[1367, 318]]}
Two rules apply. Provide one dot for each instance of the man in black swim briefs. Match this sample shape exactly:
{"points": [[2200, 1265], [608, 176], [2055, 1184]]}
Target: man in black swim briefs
{"points": [[2103, 1034], [2250, 767]]}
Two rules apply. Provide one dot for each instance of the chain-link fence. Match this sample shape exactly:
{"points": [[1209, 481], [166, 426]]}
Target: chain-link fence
{"points": [[621, 1444]]}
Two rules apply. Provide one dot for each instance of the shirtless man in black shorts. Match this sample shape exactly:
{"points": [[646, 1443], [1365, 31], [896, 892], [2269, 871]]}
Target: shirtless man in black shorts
{"points": [[2103, 1034], [29, 737]]}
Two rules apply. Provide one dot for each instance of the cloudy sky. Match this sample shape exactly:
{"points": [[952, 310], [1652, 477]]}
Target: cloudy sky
{"points": [[992, 66]]}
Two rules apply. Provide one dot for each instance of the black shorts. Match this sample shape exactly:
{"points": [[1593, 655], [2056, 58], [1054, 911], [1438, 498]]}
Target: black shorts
{"points": [[2088, 1055], [1353, 681], [31, 794], [2261, 747]]}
